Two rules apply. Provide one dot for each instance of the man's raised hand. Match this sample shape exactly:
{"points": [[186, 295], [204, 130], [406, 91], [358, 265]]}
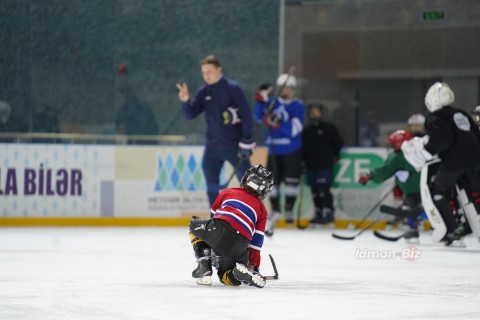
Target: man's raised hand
{"points": [[183, 94]]}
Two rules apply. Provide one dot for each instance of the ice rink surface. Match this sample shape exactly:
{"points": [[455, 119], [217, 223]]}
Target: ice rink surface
{"points": [[145, 273]]}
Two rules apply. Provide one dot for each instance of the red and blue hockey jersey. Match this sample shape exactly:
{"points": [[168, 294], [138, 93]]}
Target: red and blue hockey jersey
{"points": [[246, 214]]}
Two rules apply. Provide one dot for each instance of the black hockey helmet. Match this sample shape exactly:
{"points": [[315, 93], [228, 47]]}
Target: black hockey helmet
{"points": [[258, 181]]}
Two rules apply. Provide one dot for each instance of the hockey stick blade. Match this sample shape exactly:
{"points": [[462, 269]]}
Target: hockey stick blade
{"points": [[358, 234], [398, 212], [388, 238], [275, 271], [337, 236]]}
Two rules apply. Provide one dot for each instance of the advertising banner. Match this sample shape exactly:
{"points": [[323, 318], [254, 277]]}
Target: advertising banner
{"points": [[48, 180]]}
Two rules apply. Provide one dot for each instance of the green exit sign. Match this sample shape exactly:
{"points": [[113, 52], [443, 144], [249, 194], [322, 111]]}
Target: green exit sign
{"points": [[439, 14]]}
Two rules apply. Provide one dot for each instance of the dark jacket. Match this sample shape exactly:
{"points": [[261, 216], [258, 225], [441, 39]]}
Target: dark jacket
{"points": [[454, 137], [214, 99], [321, 145]]}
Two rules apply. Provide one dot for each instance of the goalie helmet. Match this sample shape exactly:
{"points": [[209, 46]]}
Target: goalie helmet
{"points": [[438, 96], [258, 181], [398, 137], [286, 79]]}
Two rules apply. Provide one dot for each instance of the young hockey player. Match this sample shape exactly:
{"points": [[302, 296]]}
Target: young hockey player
{"points": [[229, 123], [476, 115], [455, 138], [235, 232], [321, 150], [284, 121], [416, 124], [407, 178]]}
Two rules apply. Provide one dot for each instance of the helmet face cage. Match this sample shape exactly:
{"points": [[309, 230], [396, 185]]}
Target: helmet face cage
{"points": [[398, 137], [416, 119], [258, 181]]}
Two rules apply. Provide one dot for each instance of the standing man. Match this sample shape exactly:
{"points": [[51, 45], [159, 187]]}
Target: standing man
{"points": [[454, 137], [229, 123], [283, 118], [321, 150]]}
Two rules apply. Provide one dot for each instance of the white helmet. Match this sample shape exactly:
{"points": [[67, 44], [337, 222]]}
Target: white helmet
{"points": [[287, 80], [438, 96], [416, 118]]}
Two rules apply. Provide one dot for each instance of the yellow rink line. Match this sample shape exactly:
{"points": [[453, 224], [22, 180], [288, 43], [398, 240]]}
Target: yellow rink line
{"points": [[138, 222]]}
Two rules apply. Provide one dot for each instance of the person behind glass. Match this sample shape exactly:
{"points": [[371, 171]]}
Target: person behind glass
{"points": [[229, 123], [321, 150], [416, 124], [9, 122], [283, 117], [135, 117]]}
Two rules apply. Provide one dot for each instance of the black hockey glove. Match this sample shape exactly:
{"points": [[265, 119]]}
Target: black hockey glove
{"points": [[245, 148]]}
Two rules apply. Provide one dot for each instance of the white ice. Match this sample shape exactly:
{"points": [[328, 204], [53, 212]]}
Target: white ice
{"points": [[145, 273]]}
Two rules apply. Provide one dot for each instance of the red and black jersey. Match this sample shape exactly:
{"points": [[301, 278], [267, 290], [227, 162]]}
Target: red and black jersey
{"points": [[246, 214]]}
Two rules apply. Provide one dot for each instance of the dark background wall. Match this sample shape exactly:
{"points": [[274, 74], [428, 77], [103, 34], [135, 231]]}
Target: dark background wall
{"points": [[64, 55], [371, 62]]}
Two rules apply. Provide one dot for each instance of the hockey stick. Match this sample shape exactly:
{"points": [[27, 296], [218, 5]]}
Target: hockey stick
{"points": [[218, 187], [275, 271], [398, 212], [388, 238], [358, 234], [364, 218], [299, 206]]}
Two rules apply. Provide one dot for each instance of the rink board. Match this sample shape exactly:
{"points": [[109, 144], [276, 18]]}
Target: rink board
{"points": [[103, 185]]}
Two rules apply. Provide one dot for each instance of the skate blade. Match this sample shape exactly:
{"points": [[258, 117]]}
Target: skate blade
{"points": [[412, 241], [204, 281], [457, 244]]}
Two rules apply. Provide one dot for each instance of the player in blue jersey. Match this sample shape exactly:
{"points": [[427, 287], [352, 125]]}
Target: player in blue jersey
{"points": [[283, 118], [229, 123], [235, 232]]}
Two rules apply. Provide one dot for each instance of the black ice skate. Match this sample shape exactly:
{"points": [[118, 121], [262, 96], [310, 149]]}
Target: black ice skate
{"points": [[244, 275], [203, 272], [326, 217], [411, 236], [455, 238]]}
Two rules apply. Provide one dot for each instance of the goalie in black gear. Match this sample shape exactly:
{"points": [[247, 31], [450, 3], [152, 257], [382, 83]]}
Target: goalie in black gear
{"points": [[455, 138], [235, 232]]}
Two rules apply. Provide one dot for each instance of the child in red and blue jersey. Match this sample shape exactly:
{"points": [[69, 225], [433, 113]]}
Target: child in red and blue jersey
{"points": [[235, 232]]}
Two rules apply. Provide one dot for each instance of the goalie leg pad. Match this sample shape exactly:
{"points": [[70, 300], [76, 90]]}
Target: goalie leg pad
{"points": [[470, 210], [436, 220]]}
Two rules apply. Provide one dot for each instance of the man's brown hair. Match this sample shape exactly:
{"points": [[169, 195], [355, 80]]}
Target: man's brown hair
{"points": [[211, 59]]}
